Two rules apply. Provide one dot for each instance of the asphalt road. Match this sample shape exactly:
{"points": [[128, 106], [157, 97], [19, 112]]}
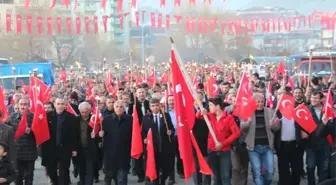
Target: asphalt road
{"points": [[41, 179]]}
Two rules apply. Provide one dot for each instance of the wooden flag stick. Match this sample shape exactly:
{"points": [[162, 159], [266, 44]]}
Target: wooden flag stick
{"points": [[166, 124], [188, 81]]}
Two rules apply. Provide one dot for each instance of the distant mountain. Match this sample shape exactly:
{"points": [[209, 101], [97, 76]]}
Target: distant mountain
{"points": [[302, 6]]}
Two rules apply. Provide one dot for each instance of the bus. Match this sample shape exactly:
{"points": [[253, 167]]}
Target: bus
{"points": [[321, 62]]}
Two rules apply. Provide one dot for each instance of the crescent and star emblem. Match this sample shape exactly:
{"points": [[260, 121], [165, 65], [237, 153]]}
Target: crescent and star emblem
{"points": [[244, 101], [283, 103], [298, 113], [216, 87]]}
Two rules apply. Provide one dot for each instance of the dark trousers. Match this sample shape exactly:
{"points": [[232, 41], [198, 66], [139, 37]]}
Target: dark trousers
{"points": [[198, 177], [86, 167], [175, 158], [289, 165], [161, 165], [240, 161], [98, 164], [139, 167], [118, 175], [317, 156], [63, 165], [25, 172], [220, 163]]}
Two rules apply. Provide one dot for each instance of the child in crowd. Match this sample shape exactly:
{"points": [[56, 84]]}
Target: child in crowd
{"points": [[7, 172]]}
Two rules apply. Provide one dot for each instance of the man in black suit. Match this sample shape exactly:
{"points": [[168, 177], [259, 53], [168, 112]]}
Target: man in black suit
{"points": [[162, 130], [142, 107], [7, 136], [117, 136], [63, 143]]}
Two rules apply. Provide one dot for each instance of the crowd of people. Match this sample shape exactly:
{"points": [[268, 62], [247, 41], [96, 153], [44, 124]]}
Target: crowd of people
{"points": [[242, 142]]}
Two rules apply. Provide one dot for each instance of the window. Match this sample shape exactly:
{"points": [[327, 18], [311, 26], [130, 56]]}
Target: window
{"points": [[9, 11], [6, 1]]}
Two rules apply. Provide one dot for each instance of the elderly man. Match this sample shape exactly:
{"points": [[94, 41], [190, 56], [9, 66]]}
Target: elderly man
{"points": [[117, 136], [88, 146], [16, 97], [259, 140]]}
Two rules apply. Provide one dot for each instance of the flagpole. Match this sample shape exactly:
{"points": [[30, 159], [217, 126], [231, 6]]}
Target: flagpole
{"points": [[188, 80]]}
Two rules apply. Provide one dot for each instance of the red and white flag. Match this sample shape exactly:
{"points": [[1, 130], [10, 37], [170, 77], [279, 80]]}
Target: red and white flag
{"points": [[304, 118]]}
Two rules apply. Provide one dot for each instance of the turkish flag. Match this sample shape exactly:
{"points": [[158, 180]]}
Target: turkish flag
{"points": [[134, 3], [281, 68], [87, 24], [286, 106], [49, 25], [103, 4], [160, 20], [71, 110], [328, 106], [3, 107], [136, 148], [95, 122], [95, 24], [162, 3], [69, 25], [192, 2], [18, 24], [213, 24], [212, 87], [167, 21], [21, 129], [29, 23], [204, 167], [137, 18], [62, 76], [185, 117], [66, 3], [222, 26], [53, 3], [59, 25], [187, 24], [105, 17], [78, 25], [150, 162], [8, 23], [41, 88], [121, 19], [245, 104], [27, 3], [177, 3], [152, 15], [269, 99], [40, 123], [119, 5], [304, 118], [39, 25]]}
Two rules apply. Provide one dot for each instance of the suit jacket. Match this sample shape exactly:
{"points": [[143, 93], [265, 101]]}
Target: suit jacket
{"points": [[7, 136], [92, 142], [117, 141], [161, 141], [26, 144], [138, 108], [69, 138]]}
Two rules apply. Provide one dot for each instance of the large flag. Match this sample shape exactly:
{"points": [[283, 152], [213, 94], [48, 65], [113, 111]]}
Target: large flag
{"points": [[304, 118], [95, 121], [185, 117], [40, 125], [286, 106], [150, 162], [136, 148], [71, 110], [245, 104], [22, 126], [328, 108]]}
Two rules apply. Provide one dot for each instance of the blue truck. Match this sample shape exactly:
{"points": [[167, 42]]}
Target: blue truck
{"points": [[23, 71]]}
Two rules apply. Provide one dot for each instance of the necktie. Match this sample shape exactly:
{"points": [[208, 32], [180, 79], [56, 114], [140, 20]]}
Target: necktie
{"points": [[157, 123], [143, 108]]}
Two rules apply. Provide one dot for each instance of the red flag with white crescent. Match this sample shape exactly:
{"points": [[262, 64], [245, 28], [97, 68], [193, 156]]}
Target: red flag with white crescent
{"points": [[29, 23], [87, 24], [286, 106], [59, 25], [69, 25], [39, 25], [78, 25], [304, 118], [49, 25], [18, 24], [8, 23]]}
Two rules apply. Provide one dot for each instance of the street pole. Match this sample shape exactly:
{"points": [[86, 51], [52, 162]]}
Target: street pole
{"points": [[142, 46]]}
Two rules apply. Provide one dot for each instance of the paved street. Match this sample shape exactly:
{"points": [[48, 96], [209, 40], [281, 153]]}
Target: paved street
{"points": [[40, 178]]}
